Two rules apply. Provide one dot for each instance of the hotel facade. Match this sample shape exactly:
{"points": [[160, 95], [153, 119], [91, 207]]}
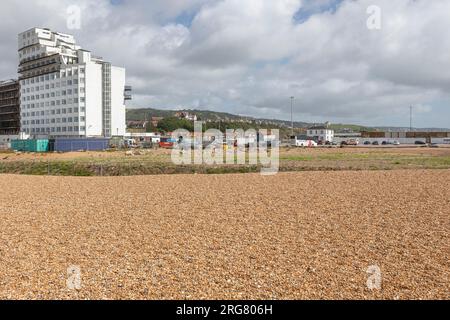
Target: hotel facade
{"points": [[66, 91]]}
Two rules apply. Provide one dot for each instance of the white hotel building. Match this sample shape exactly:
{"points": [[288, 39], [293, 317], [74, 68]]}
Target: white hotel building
{"points": [[66, 91]]}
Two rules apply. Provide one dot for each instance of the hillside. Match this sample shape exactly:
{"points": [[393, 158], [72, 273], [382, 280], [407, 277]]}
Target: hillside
{"points": [[206, 115], [213, 116]]}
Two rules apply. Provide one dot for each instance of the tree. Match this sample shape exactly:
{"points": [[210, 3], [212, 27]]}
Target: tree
{"points": [[150, 127], [172, 123]]}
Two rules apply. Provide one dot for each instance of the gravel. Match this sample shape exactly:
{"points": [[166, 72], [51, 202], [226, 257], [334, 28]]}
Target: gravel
{"points": [[308, 235]]}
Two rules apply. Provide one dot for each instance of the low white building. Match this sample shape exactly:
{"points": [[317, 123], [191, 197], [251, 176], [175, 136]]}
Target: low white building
{"points": [[320, 133]]}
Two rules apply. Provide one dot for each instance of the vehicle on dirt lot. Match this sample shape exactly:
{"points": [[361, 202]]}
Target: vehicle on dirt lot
{"points": [[420, 143], [367, 143], [131, 143], [375, 143], [384, 143], [350, 142], [306, 143], [396, 143], [167, 143]]}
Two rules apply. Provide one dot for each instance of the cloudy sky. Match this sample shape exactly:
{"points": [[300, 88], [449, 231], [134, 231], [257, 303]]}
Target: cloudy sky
{"points": [[249, 56]]}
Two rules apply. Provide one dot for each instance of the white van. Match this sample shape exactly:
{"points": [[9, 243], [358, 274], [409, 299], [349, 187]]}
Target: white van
{"points": [[305, 143]]}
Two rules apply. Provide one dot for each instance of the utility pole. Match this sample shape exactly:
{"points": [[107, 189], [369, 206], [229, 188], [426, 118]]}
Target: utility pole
{"points": [[410, 118], [292, 115]]}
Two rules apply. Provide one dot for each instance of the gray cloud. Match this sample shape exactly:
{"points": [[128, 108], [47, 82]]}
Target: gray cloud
{"points": [[249, 57]]}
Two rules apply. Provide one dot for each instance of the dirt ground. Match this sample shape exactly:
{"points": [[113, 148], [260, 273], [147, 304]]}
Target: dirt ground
{"points": [[305, 235]]}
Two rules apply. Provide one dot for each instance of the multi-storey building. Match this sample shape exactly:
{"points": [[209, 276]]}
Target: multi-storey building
{"points": [[66, 91], [321, 133], [9, 108]]}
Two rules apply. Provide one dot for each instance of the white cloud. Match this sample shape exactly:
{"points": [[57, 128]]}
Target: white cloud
{"points": [[250, 56]]}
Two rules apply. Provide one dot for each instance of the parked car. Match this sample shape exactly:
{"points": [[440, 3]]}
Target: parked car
{"points": [[396, 143], [420, 143], [367, 143], [350, 142], [375, 143], [305, 143], [434, 145], [384, 143]]}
